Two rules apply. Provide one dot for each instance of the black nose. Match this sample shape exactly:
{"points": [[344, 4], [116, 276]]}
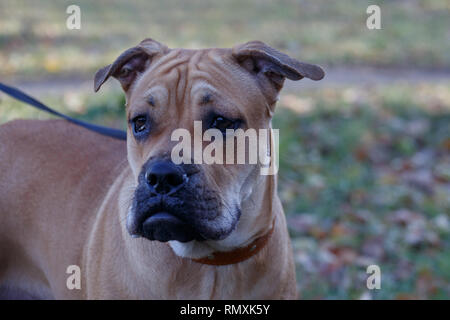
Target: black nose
{"points": [[164, 177]]}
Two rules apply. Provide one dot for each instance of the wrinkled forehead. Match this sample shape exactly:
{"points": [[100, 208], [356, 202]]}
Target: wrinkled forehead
{"points": [[198, 77]]}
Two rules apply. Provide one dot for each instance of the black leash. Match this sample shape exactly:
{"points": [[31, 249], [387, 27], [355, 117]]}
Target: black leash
{"points": [[21, 96]]}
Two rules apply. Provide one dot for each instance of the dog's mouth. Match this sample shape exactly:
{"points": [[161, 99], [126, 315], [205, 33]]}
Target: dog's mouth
{"points": [[162, 219], [193, 212], [164, 226]]}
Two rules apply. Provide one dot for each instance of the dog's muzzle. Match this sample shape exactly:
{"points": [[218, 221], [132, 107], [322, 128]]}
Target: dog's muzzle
{"points": [[172, 202], [163, 178]]}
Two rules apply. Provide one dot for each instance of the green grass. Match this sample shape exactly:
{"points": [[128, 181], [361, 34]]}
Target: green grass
{"points": [[34, 37], [366, 181]]}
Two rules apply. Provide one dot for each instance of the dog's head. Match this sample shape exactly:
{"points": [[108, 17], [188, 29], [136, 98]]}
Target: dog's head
{"points": [[170, 89]]}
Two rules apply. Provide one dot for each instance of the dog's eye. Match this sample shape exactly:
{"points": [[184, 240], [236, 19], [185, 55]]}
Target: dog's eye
{"points": [[223, 124], [125, 72], [140, 124]]}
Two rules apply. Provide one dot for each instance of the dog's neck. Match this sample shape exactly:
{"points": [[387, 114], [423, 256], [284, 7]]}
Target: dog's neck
{"points": [[255, 223], [222, 258]]}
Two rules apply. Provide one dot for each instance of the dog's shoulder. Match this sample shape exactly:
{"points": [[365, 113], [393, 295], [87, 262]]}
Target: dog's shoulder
{"points": [[55, 154], [55, 145], [56, 135]]}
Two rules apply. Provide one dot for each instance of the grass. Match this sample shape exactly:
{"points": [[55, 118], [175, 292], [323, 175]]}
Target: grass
{"points": [[34, 38], [364, 180]]}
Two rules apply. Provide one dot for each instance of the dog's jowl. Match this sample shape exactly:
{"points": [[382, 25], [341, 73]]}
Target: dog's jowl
{"points": [[139, 225]]}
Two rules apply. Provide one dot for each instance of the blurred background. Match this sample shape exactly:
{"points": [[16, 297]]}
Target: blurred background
{"points": [[364, 153]]}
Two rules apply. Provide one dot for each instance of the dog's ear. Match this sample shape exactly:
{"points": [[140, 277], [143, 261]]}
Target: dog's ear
{"points": [[129, 64], [264, 61]]}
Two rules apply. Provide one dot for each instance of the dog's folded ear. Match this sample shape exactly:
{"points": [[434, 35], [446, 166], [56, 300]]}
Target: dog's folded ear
{"points": [[260, 59], [129, 64]]}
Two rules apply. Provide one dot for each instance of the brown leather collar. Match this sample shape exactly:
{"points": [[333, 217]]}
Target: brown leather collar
{"points": [[220, 258]]}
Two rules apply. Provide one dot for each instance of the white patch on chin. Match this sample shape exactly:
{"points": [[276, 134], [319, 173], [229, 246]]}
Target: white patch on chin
{"points": [[192, 249], [201, 249]]}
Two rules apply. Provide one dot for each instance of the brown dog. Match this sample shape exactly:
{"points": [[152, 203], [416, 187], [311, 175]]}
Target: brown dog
{"points": [[72, 197]]}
